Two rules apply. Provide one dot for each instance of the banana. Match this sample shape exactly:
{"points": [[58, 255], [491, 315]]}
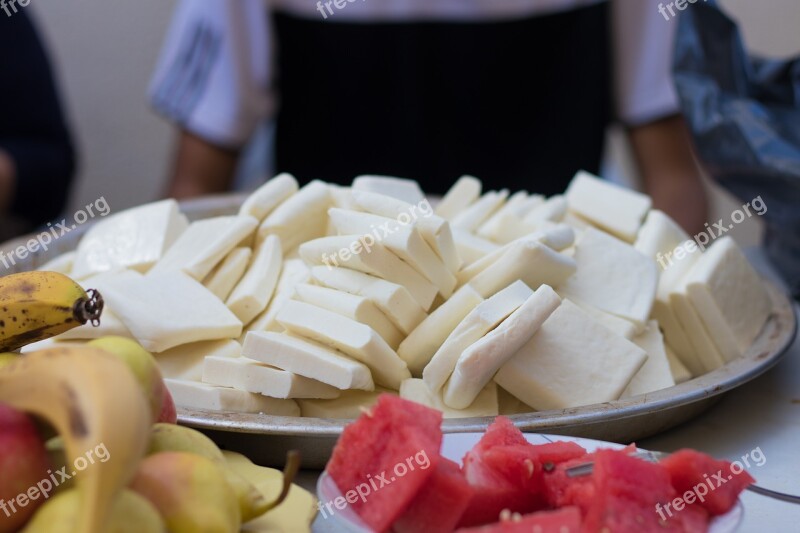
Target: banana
{"points": [[38, 305], [94, 402]]}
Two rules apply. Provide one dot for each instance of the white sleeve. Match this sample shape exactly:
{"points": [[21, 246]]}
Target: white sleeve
{"points": [[213, 76], [643, 43]]}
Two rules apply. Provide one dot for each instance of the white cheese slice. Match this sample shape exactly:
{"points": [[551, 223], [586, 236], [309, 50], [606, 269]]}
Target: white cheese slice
{"points": [[532, 262], [659, 234], [62, 263], [350, 405], [464, 192], [418, 348], [357, 340], [307, 358], [470, 247], [393, 299], [481, 320], [135, 238], [707, 357], [471, 218], [478, 364], [434, 229], [655, 374], [571, 361], [254, 290], [250, 375], [679, 371], [266, 198], [485, 404], [351, 306], [612, 208], [227, 274], [403, 189], [204, 244], [511, 227], [164, 310], [613, 277], [194, 395], [618, 325], [674, 333], [729, 296], [342, 197], [293, 272], [347, 251], [491, 228], [110, 323], [552, 210], [186, 361], [511, 405], [302, 217], [403, 240]]}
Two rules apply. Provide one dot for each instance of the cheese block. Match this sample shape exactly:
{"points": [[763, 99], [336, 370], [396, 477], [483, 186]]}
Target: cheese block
{"points": [[350, 405], [477, 365], [307, 358], [558, 238], [509, 404], [655, 374], [302, 217], [254, 290], [610, 207], [571, 361], [186, 361], [471, 218], [618, 325], [135, 238], [266, 198], [293, 272], [658, 235], [351, 306], [250, 375], [511, 227], [227, 274], [342, 197], [347, 251], [434, 229], [418, 348], [613, 277], [394, 300], [62, 263], [679, 371], [729, 296], [194, 395], [485, 404], [514, 206], [164, 310], [481, 320], [357, 340], [403, 189], [470, 247], [403, 240], [110, 323], [552, 210], [464, 192], [204, 244], [532, 262], [707, 357]]}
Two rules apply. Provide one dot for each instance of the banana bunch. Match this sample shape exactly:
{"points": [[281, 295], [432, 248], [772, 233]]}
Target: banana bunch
{"points": [[38, 305], [92, 399]]}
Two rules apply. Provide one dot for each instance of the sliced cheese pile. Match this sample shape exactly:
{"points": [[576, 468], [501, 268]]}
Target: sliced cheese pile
{"points": [[315, 299]]}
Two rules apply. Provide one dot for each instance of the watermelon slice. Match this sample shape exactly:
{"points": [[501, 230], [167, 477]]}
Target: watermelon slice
{"points": [[561, 490], [384, 458], [695, 473], [566, 520], [524, 464], [441, 502]]}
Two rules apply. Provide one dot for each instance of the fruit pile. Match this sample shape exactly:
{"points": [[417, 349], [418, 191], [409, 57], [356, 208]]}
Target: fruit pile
{"points": [[508, 485], [88, 440]]}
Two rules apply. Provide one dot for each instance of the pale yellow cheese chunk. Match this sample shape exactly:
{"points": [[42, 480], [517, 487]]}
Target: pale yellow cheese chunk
{"points": [[186, 361], [350, 405], [266, 198], [194, 395], [227, 274], [471, 218], [464, 192], [302, 217], [485, 403], [254, 290], [655, 374]]}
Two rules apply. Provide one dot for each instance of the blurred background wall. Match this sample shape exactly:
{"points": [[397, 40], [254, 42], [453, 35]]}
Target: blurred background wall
{"points": [[104, 52]]}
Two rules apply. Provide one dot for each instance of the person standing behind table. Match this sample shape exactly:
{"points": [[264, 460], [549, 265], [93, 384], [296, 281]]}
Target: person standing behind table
{"points": [[37, 161], [518, 93]]}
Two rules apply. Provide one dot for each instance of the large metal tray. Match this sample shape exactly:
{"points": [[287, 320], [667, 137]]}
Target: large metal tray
{"points": [[265, 439]]}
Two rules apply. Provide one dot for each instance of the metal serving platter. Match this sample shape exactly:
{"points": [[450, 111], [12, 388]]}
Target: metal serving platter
{"points": [[266, 439]]}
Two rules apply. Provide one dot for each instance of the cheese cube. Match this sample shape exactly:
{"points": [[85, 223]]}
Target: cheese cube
{"points": [[610, 207], [254, 290], [251, 376], [571, 361], [193, 395], [357, 340], [464, 192], [186, 361], [308, 359], [204, 244], [471, 248], [418, 348], [403, 189], [510, 404], [350, 405], [490, 229], [135, 238], [302, 217], [485, 404], [477, 365], [472, 217], [707, 357], [553, 210], [618, 325], [266, 198], [293, 272], [680, 373], [227, 274], [655, 374], [482, 319]]}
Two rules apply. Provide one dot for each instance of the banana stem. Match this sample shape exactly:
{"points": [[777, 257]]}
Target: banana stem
{"points": [[289, 473], [90, 308]]}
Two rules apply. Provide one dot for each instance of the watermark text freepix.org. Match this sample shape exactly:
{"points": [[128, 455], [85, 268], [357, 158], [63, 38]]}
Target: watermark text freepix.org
{"points": [[375, 483], [48, 484], [10, 6], [679, 4], [97, 208]]}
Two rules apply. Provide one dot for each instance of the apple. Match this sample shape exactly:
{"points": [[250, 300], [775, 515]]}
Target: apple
{"points": [[23, 469], [169, 414]]}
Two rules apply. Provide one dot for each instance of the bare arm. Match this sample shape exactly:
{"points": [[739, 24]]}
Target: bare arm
{"points": [[201, 168], [664, 154], [8, 176]]}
